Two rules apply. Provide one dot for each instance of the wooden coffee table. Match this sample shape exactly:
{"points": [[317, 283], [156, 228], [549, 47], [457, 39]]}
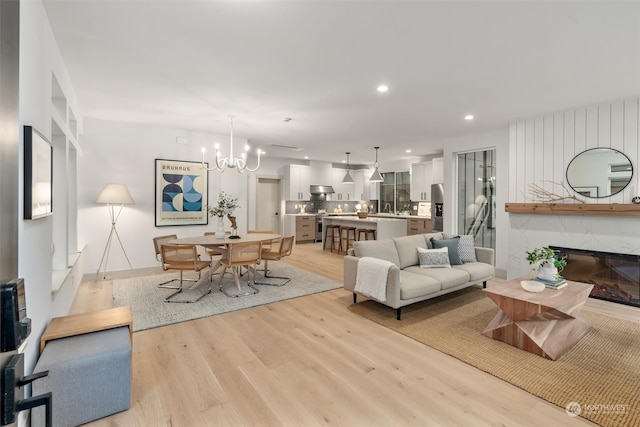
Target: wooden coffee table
{"points": [[544, 323]]}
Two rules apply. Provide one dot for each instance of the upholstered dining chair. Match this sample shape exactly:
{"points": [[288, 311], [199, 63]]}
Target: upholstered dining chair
{"points": [[183, 258], [242, 254], [276, 254], [157, 243]]}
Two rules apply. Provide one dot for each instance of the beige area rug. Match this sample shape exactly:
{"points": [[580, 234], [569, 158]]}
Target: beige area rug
{"points": [[601, 373], [150, 311]]}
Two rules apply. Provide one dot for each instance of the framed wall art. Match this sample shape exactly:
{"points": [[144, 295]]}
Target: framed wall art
{"points": [[181, 193], [38, 174]]}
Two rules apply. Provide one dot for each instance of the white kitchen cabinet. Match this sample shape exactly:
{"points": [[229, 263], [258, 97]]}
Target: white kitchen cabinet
{"points": [[349, 192], [421, 178], [437, 173], [361, 185], [297, 182]]}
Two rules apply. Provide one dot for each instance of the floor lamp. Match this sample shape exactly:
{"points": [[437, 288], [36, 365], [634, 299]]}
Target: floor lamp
{"points": [[113, 195]]}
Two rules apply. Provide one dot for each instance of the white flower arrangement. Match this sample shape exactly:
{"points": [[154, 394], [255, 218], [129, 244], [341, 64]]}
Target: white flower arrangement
{"points": [[226, 205]]}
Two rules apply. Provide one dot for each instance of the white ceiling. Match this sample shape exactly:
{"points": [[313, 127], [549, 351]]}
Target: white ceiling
{"points": [[190, 64]]}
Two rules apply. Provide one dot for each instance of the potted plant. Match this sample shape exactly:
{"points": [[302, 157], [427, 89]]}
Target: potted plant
{"points": [[546, 262], [226, 205]]}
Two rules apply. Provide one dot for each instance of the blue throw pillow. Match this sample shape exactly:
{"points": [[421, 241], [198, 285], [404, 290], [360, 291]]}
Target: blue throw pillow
{"points": [[452, 245]]}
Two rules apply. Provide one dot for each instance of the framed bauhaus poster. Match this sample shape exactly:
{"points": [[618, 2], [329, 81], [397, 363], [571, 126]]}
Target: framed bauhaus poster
{"points": [[181, 193]]}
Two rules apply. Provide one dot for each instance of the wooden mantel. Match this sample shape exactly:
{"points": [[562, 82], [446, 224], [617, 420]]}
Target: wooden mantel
{"points": [[616, 209]]}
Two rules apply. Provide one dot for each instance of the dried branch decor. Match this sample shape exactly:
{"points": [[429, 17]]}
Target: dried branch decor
{"points": [[546, 196]]}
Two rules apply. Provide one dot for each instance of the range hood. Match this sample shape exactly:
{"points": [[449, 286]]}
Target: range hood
{"points": [[321, 189]]}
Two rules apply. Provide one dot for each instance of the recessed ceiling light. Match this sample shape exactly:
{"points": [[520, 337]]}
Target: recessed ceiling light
{"points": [[306, 157], [383, 88], [468, 117], [407, 151]]}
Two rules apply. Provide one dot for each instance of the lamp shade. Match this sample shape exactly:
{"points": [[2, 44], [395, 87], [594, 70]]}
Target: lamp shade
{"points": [[115, 194], [375, 176], [348, 179]]}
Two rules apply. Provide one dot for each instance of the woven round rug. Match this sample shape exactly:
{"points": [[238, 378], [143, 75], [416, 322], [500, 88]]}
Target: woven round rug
{"points": [[598, 378]]}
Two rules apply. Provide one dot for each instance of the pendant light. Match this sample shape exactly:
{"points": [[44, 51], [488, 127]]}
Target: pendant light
{"points": [[375, 176], [348, 179]]}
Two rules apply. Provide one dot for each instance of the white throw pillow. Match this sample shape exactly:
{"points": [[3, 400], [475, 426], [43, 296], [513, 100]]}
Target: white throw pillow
{"points": [[434, 258]]}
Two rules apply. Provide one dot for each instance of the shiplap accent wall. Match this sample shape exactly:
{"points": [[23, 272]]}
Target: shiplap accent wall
{"points": [[541, 148]]}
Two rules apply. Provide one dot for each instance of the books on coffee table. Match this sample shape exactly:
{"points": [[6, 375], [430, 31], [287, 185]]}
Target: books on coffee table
{"points": [[553, 284]]}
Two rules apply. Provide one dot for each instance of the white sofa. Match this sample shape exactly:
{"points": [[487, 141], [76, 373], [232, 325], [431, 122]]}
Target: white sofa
{"points": [[407, 282]]}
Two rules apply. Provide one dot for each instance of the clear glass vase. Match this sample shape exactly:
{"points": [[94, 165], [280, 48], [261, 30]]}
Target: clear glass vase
{"points": [[220, 228]]}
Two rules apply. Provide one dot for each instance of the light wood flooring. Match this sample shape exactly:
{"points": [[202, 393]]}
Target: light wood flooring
{"points": [[309, 361]]}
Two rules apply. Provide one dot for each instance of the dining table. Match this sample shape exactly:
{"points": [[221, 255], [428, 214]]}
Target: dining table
{"points": [[222, 245]]}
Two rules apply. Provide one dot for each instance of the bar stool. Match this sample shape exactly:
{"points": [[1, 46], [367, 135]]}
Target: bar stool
{"points": [[331, 232], [347, 234], [366, 232]]}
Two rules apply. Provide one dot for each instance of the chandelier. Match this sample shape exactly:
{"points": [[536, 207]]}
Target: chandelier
{"points": [[239, 163]]}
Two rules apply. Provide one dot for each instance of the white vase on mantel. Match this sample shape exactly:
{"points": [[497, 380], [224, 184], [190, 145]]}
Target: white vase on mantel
{"points": [[548, 273], [220, 229]]}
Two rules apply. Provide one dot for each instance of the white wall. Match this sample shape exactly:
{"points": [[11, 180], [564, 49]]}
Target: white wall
{"points": [[116, 152], [39, 59], [498, 140], [541, 148]]}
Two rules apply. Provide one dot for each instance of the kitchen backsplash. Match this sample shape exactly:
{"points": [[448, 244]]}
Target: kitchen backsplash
{"points": [[314, 206]]}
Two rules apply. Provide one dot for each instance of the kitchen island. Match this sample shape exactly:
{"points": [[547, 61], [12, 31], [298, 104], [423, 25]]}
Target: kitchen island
{"points": [[386, 227]]}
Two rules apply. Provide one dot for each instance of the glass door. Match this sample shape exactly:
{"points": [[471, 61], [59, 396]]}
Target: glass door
{"points": [[476, 196]]}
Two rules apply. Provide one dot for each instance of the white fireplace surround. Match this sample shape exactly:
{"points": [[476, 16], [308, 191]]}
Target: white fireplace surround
{"points": [[597, 233]]}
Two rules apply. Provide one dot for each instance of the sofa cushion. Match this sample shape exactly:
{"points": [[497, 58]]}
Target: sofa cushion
{"points": [[406, 248], [417, 285], [448, 277], [452, 245], [434, 258], [478, 271], [466, 247], [383, 249]]}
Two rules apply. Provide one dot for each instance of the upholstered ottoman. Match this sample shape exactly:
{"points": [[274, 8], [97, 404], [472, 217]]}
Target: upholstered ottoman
{"points": [[89, 376]]}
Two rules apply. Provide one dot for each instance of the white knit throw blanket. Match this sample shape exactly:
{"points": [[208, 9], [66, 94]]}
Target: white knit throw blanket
{"points": [[371, 279]]}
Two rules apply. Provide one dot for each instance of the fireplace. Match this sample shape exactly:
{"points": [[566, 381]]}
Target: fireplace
{"points": [[615, 277]]}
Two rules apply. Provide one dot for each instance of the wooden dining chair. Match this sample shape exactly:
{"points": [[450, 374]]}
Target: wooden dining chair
{"points": [[242, 254], [266, 245], [157, 243], [214, 253], [183, 258], [276, 254]]}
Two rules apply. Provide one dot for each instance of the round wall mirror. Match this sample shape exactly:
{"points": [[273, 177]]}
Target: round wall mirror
{"points": [[599, 172]]}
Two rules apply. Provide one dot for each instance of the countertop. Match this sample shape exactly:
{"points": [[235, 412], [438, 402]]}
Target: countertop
{"points": [[352, 215], [367, 219]]}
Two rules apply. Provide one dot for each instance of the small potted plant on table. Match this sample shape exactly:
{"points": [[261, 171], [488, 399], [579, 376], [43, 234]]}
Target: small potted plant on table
{"points": [[547, 263]]}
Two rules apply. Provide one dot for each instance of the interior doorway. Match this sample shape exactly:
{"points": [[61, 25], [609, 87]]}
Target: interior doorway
{"points": [[268, 204]]}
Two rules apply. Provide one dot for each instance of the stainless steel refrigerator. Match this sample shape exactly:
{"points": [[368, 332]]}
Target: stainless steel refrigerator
{"points": [[437, 200]]}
